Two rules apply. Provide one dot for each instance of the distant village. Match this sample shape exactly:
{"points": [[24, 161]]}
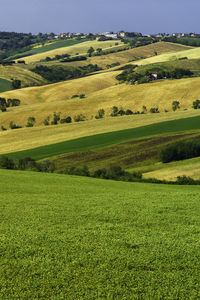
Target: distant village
{"points": [[123, 34]]}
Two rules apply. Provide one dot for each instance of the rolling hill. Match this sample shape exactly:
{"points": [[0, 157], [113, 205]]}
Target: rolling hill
{"points": [[26, 76], [73, 50]]}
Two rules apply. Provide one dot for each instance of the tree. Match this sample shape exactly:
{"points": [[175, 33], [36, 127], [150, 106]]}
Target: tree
{"points": [[6, 163], [90, 51], [175, 105], [196, 104], [100, 114], [30, 122], [16, 84], [99, 51], [56, 118]]}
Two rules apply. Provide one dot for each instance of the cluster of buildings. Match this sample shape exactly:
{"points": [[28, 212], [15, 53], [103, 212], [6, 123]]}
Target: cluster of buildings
{"points": [[123, 34]]}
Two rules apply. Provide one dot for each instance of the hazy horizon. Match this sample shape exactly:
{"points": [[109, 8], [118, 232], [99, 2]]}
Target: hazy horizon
{"points": [[145, 16]]}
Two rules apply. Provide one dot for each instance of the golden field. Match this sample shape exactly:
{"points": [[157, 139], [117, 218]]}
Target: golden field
{"points": [[16, 72], [73, 50], [43, 101], [126, 56], [27, 138]]}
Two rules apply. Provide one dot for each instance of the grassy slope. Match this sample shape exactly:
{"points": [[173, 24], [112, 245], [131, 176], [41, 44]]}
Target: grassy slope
{"points": [[100, 93], [170, 171], [79, 238], [5, 85], [190, 54], [72, 50], [50, 46], [137, 155], [27, 77], [27, 138], [135, 53], [107, 139]]}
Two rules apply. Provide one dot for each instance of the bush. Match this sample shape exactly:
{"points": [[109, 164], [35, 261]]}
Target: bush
{"points": [[6, 163], [128, 112], [30, 122], [27, 163], [13, 125], [47, 166], [56, 118], [100, 114], [154, 110], [196, 104], [79, 118], [16, 84], [175, 105], [75, 96], [3, 109], [46, 121], [66, 120], [82, 171], [82, 96], [3, 128], [183, 180]]}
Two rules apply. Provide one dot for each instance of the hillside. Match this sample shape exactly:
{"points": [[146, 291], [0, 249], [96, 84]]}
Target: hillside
{"points": [[190, 54], [66, 235], [16, 72], [73, 50], [137, 53], [100, 93], [27, 138]]}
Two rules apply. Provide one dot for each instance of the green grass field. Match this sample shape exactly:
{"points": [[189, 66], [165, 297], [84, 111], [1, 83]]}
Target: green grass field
{"points": [[5, 85], [75, 238], [51, 46], [107, 139]]}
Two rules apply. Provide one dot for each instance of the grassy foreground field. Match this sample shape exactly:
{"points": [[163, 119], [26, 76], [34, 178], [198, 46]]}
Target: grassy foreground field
{"points": [[68, 237], [109, 138]]}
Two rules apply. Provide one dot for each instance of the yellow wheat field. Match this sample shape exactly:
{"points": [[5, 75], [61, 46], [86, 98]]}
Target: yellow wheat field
{"points": [[27, 77], [72, 50], [27, 138]]}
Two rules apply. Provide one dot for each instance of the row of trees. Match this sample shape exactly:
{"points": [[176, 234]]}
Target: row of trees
{"points": [[59, 73]]}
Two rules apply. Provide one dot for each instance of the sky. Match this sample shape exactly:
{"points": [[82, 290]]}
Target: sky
{"points": [[146, 16]]}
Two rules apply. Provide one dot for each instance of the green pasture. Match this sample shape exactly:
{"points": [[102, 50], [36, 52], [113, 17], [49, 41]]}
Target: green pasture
{"points": [[64, 237], [5, 85], [107, 139], [53, 46]]}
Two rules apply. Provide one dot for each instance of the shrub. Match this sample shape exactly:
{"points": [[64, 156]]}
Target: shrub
{"points": [[75, 96], [16, 84], [82, 96], [66, 120], [56, 118], [30, 122], [13, 125], [154, 110], [196, 104], [114, 111], [82, 171], [3, 128], [46, 121], [47, 166], [100, 114], [129, 112], [79, 118], [27, 163], [182, 180], [175, 105], [6, 163], [3, 109]]}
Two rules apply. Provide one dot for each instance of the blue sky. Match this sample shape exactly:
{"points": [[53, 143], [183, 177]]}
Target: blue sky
{"points": [[146, 16]]}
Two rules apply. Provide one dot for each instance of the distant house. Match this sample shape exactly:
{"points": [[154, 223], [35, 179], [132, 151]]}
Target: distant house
{"points": [[153, 76], [122, 34]]}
